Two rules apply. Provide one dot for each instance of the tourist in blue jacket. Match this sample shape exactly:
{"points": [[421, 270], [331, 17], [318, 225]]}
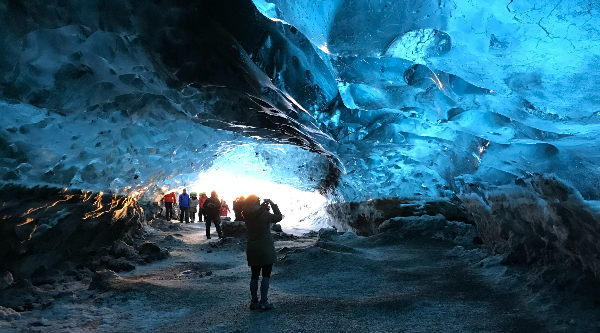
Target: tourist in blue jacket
{"points": [[184, 206]]}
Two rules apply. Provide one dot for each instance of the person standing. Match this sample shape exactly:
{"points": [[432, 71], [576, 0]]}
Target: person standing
{"points": [[201, 213], [238, 205], [260, 248], [224, 208], [193, 206], [184, 206], [212, 209], [169, 199]]}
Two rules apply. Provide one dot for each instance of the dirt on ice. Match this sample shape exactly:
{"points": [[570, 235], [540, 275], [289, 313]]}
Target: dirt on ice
{"points": [[328, 283]]}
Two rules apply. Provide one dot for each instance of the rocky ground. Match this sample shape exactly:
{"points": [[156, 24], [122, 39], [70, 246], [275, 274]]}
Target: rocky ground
{"points": [[323, 282]]}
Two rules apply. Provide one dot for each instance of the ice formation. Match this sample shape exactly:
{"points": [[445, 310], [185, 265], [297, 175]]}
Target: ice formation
{"points": [[355, 99]]}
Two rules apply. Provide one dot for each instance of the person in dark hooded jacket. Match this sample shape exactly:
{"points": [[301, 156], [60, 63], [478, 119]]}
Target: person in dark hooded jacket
{"points": [[212, 210], [260, 248], [238, 205]]}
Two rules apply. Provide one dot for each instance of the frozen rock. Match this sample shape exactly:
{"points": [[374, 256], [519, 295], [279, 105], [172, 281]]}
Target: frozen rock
{"points": [[120, 249], [8, 314], [456, 251], [234, 229], [104, 280], [412, 226], [152, 252], [43, 275], [22, 293], [538, 220], [365, 217], [6, 279], [74, 226], [172, 239], [120, 265], [327, 234]]}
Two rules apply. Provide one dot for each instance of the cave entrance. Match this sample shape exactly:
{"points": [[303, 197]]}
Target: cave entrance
{"points": [[239, 172]]}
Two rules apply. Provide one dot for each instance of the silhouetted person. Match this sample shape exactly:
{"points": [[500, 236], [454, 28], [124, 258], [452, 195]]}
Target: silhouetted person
{"points": [[260, 248], [212, 209], [238, 205], [201, 200], [184, 206]]}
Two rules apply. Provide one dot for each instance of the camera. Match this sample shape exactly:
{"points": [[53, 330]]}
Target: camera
{"points": [[266, 200]]}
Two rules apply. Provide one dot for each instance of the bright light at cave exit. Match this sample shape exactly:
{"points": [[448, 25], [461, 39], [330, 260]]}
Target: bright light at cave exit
{"points": [[298, 207], [231, 178]]}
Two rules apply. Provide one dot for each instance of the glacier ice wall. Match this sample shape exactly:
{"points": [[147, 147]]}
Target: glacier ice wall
{"points": [[538, 220], [489, 92]]}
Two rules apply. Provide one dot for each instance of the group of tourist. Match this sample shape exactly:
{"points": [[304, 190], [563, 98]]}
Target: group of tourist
{"points": [[190, 205], [260, 247], [208, 208]]}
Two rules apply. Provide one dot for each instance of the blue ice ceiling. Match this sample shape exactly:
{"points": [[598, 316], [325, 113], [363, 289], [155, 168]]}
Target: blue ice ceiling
{"points": [[486, 92], [397, 98]]}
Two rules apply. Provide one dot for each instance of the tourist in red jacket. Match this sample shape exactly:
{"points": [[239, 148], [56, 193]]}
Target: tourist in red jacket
{"points": [[169, 199], [224, 208], [201, 212]]}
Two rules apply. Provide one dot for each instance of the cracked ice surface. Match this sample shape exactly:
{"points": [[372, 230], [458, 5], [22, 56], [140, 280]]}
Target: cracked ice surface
{"points": [[504, 89]]}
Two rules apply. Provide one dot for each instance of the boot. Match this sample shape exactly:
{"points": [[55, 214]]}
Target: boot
{"points": [[254, 294], [264, 290]]}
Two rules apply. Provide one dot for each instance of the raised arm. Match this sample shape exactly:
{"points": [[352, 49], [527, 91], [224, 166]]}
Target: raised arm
{"points": [[276, 215]]}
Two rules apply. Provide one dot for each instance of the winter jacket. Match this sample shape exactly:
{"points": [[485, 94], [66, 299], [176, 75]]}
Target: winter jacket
{"points": [[193, 205], [184, 200], [225, 210], [169, 197], [214, 209], [201, 201], [238, 205], [260, 248]]}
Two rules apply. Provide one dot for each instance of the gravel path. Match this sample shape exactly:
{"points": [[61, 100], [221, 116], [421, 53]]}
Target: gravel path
{"points": [[345, 284], [410, 286]]}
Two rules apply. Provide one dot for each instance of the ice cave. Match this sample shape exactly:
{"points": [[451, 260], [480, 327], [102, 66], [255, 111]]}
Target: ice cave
{"points": [[436, 163]]}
